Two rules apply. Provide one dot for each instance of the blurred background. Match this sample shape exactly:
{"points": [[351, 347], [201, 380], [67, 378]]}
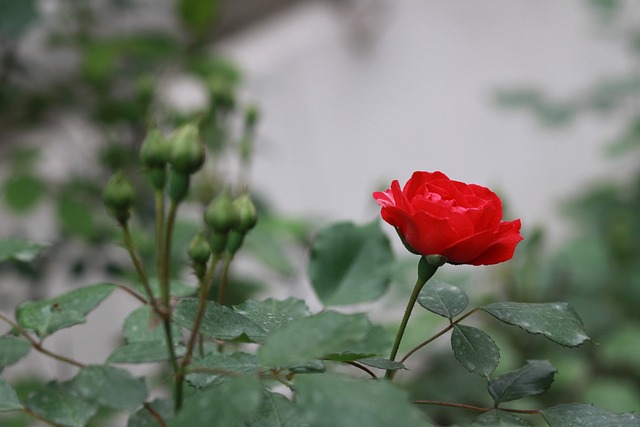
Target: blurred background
{"points": [[315, 104]]}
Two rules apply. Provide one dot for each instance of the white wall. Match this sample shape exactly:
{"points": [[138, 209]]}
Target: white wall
{"points": [[342, 120]]}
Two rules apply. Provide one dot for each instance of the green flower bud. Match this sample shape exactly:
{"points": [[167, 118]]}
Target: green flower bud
{"points": [[118, 196], [154, 150], [247, 213], [221, 214], [251, 117], [187, 152], [178, 186], [199, 250]]}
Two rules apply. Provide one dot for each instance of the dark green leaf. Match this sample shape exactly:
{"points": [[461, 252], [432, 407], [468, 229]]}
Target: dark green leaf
{"points": [[350, 264], [382, 363], [12, 248], [8, 398], [12, 349], [378, 341], [74, 214], [143, 352], [144, 325], [272, 314], [533, 378], [49, 315], [222, 366], [219, 321], [556, 321], [330, 400], [277, 411], [143, 418], [443, 299], [498, 418], [230, 404], [198, 15], [316, 337], [15, 17], [475, 350], [22, 192], [111, 387], [56, 403], [310, 367], [583, 415]]}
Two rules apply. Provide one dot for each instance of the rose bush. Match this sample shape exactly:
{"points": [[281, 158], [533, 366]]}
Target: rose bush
{"points": [[435, 215]]}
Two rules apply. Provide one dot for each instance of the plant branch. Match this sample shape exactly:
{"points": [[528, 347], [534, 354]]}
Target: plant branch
{"points": [[475, 408], [362, 367], [224, 279], [438, 335], [133, 294], [155, 414], [130, 245], [38, 345]]}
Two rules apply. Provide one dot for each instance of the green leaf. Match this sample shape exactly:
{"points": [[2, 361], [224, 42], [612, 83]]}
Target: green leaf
{"points": [[143, 418], [12, 248], [225, 364], [377, 342], [143, 324], [49, 315], [8, 398], [22, 192], [498, 418], [111, 387], [143, 352], [350, 264], [52, 314], [12, 349], [56, 403], [198, 15], [15, 17], [331, 400], [584, 415], [382, 363], [443, 299], [316, 337], [218, 321], [278, 411], [475, 350], [75, 214], [272, 314], [556, 321], [229, 404], [533, 378]]}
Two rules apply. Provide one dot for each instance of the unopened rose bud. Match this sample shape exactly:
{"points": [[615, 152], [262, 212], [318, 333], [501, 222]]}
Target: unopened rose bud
{"points": [[199, 250], [221, 214], [187, 152], [118, 196], [246, 212], [154, 151]]}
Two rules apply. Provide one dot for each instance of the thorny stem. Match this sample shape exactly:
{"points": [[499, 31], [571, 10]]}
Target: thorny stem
{"points": [[475, 408], [439, 334], [426, 270]]}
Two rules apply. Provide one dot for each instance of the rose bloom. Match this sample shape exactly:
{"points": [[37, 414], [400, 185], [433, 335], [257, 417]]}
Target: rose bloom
{"points": [[435, 215]]}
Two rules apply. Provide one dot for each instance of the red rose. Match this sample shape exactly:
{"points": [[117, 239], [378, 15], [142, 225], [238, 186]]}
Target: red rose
{"points": [[435, 215]]}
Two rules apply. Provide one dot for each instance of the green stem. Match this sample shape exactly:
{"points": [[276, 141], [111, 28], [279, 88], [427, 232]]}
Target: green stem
{"points": [[426, 270], [131, 248], [166, 253], [439, 334], [160, 253], [224, 279], [475, 408]]}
